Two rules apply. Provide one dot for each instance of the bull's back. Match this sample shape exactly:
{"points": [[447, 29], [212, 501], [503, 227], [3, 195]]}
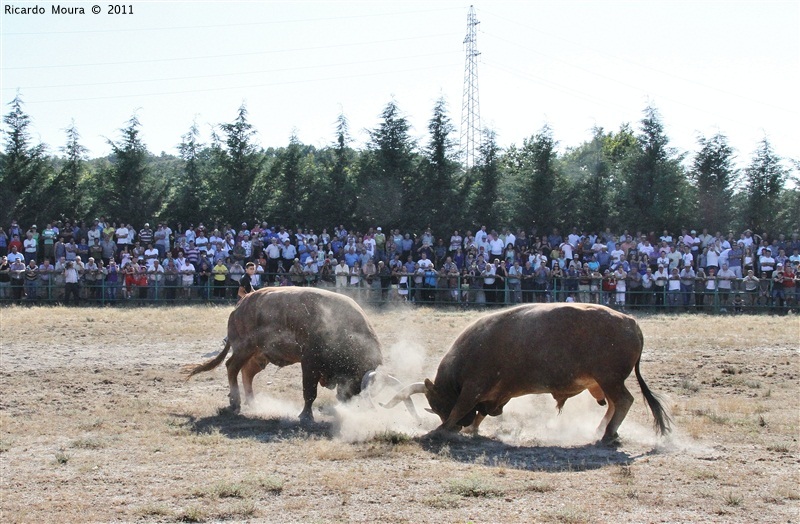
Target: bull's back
{"points": [[292, 323], [540, 348]]}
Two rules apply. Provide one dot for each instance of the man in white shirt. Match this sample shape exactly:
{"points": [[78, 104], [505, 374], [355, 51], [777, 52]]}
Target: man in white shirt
{"points": [[150, 255], [617, 255], [574, 238], [424, 262], [645, 247], [123, 237], [725, 284]]}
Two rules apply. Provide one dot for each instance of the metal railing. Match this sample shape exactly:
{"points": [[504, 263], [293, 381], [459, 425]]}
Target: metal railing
{"points": [[440, 291]]}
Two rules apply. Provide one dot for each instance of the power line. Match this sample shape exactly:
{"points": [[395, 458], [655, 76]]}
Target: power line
{"points": [[254, 53], [194, 90], [223, 75]]}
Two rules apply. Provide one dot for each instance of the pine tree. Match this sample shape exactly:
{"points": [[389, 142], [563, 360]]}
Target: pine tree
{"points": [[435, 189], [188, 203], [67, 187], [483, 182], [535, 181], [387, 171], [241, 164], [765, 178], [655, 193], [714, 176], [24, 172]]}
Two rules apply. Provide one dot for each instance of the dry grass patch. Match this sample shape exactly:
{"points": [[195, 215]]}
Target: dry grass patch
{"points": [[567, 515], [332, 450], [99, 420], [474, 485], [87, 443]]}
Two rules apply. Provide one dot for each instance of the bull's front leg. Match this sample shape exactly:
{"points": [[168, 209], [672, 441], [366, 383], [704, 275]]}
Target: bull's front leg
{"points": [[466, 405], [310, 380]]}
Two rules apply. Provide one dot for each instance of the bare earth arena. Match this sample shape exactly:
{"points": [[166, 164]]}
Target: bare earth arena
{"points": [[99, 424]]}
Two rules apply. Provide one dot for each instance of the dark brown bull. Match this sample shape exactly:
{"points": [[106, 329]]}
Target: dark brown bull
{"points": [[327, 333], [561, 349]]}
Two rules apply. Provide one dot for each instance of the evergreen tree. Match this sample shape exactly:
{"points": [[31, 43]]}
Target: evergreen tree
{"points": [[187, 202], [765, 180], [128, 188], [241, 164], [67, 187], [23, 176], [656, 193], [289, 197], [120, 184], [483, 182], [714, 176], [435, 188], [536, 181], [387, 172], [591, 176], [338, 203]]}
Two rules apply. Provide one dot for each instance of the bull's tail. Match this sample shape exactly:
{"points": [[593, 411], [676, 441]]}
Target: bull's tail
{"points": [[211, 364], [663, 422]]}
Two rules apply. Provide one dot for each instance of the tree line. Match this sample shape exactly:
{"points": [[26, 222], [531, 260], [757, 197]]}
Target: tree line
{"points": [[628, 178]]}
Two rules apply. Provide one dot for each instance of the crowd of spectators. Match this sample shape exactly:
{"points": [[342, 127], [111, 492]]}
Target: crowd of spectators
{"points": [[109, 261]]}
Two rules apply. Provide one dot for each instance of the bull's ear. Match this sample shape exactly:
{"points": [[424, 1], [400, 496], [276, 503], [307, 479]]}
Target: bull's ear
{"points": [[428, 385]]}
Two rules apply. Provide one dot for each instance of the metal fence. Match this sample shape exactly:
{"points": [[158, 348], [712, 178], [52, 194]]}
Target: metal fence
{"points": [[440, 292]]}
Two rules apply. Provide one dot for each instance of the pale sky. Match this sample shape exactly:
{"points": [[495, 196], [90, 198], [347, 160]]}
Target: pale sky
{"points": [[708, 66]]}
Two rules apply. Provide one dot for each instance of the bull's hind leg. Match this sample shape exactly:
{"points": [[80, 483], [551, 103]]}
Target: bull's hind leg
{"points": [[234, 365], [620, 401], [255, 365]]}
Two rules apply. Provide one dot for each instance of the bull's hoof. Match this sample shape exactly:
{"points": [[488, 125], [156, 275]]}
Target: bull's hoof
{"points": [[306, 417], [611, 441], [230, 410], [602, 402]]}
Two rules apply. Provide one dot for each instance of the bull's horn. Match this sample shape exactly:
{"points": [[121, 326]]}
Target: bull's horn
{"points": [[405, 394], [393, 380], [368, 379]]}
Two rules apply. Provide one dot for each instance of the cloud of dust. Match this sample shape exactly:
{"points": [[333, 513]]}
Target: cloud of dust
{"points": [[358, 420], [406, 361], [272, 407], [535, 419]]}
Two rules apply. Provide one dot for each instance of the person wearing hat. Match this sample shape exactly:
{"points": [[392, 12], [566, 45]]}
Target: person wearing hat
{"points": [[30, 246], [146, 234], [310, 271], [296, 272], [91, 276], [288, 254]]}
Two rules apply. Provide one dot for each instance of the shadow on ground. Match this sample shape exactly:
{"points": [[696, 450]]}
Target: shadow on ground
{"points": [[237, 426], [461, 448], [490, 452]]}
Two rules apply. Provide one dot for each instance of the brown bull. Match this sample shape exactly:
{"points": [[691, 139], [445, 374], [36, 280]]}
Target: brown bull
{"points": [[561, 349], [327, 333]]}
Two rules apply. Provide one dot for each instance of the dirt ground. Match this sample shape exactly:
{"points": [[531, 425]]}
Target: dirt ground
{"points": [[97, 424]]}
